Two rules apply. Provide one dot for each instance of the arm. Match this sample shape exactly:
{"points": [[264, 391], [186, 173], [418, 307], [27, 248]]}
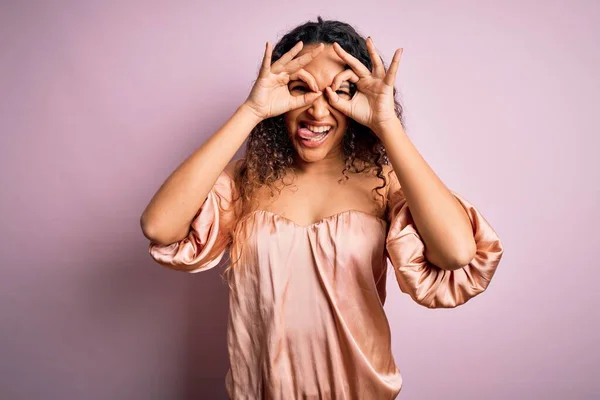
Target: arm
{"points": [[440, 220], [463, 251], [428, 284], [167, 217]]}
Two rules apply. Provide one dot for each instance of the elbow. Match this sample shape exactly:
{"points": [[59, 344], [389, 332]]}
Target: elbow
{"points": [[448, 263], [150, 232], [157, 235], [455, 260], [465, 257], [147, 228]]}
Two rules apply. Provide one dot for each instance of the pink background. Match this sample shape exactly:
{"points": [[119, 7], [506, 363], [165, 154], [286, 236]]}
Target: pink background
{"points": [[102, 100]]}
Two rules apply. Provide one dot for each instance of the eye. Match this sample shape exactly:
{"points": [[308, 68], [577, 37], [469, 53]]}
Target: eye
{"points": [[347, 90], [299, 88]]}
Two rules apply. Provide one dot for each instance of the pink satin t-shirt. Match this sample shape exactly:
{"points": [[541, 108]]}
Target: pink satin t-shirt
{"points": [[306, 317]]}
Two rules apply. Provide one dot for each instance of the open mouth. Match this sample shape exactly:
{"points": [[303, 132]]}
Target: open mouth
{"points": [[313, 134]]}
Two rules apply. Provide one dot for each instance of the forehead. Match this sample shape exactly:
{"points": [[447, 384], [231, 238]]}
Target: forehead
{"points": [[325, 66]]}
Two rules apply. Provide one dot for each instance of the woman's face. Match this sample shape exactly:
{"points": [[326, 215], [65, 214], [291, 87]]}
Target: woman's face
{"points": [[306, 125]]}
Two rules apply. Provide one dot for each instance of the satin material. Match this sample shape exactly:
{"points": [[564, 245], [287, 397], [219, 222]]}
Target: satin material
{"points": [[306, 317]]}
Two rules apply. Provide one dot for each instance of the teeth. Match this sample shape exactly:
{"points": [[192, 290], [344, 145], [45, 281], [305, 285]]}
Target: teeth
{"points": [[318, 129]]}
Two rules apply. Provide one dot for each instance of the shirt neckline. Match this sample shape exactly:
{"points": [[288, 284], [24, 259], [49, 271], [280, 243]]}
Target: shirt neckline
{"points": [[322, 220]]}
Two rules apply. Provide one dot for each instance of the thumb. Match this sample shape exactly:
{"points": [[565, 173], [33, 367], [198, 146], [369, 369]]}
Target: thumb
{"points": [[337, 102]]}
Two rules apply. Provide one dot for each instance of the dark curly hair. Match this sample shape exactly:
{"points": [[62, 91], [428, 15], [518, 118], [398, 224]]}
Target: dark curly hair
{"points": [[269, 151]]}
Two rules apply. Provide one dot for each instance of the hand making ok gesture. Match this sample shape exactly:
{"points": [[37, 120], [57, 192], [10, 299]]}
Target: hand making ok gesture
{"points": [[270, 95], [373, 103]]}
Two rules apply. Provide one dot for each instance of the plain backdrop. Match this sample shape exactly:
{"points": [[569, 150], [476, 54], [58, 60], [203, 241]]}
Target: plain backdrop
{"points": [[100, 101]]}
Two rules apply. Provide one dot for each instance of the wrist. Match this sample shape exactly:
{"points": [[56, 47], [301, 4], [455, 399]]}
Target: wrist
{"points": [[389, 129], [248, 112]]}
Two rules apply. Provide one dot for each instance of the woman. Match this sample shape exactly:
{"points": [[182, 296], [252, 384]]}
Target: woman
{"points": [[307, 281]]}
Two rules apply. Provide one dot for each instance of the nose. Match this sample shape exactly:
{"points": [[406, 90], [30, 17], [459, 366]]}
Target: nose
{"points": [[319, 108]]}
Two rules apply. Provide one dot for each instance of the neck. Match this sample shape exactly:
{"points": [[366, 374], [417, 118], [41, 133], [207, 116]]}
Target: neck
{"points": [[330, 165]]}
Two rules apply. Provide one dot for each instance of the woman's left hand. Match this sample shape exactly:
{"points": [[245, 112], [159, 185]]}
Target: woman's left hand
{"points": [[373, 103]]}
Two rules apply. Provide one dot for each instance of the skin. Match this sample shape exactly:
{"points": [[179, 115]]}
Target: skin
{"points": [[327, 158], [441, 221], [439, 218], [167, 217]]}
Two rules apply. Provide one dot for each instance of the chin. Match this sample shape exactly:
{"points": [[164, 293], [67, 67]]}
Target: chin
{"points": [[313, 155], [310, 157]]}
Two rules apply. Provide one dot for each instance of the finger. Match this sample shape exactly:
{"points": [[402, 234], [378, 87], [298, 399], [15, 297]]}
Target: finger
{"points": [[358, 67], [265, 68], [306, 99], [306, 77], [345, 75], [378, 67], [287, 57], [337, 102], [304, 59], [390, 77]]}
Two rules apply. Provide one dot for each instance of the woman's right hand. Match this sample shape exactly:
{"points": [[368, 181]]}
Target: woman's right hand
{"points": [[270, 95]]}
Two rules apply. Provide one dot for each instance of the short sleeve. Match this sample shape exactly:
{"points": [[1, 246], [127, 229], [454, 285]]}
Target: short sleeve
{"points": [[427, 284], [209, 235]]}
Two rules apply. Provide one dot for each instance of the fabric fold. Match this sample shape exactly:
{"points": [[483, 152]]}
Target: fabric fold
{"points": [[209, 235], [306, 303], [427, 284]]}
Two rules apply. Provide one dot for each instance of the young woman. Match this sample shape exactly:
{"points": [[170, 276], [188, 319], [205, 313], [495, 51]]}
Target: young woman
{"points": [[330, 187]]}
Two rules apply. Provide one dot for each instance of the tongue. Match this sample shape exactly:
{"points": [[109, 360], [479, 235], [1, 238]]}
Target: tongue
{"points": [[308, 134]]}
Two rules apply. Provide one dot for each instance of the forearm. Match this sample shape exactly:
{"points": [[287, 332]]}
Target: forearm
{"points": [[440, 220], [167, 217]]}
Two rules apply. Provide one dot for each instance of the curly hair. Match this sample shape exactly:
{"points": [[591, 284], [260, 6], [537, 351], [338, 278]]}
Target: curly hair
{"points": [[269, 151]]}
